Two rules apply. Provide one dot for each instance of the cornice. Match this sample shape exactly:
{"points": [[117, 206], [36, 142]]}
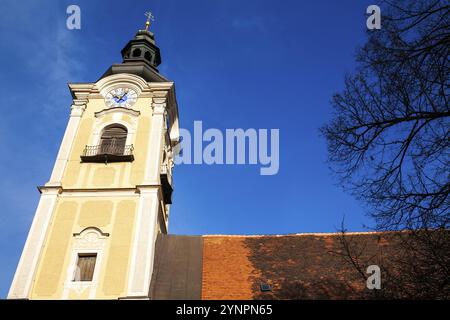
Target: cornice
{"points": [[131, 112]]}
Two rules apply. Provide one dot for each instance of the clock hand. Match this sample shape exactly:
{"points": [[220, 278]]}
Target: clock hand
{"points": [[123, 96], [117, 97]]}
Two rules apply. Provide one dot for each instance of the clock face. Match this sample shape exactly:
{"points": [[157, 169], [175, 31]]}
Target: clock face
{"points": [[121, 97]]}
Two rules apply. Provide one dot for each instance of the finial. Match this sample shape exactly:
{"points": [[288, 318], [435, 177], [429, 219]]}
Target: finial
{"points": [[150, 17]]}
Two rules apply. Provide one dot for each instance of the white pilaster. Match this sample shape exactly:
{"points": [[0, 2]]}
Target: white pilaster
{"points": [[143, 250], [26, 270], [77, 110], [154, 152]]}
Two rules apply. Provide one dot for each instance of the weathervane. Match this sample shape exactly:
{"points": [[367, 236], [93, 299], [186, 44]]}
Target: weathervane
{"points": [[150, 17]]}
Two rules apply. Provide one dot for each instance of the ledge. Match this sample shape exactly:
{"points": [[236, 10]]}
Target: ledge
{"points": [[131, 112], [107, 158]]}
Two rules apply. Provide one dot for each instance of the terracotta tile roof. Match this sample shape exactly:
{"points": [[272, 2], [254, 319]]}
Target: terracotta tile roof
{"points": [[303, 266], [298, 266]]}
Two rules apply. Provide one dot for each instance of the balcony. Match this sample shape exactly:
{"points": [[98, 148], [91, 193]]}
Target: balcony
{"points": [[108, 153]]}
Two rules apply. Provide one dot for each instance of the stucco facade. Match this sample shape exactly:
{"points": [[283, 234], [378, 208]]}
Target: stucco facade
{"points": [[114, 210]]}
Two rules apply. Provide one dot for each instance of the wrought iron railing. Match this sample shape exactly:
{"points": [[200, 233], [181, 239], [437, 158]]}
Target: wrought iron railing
{"points": [[108, 153]]}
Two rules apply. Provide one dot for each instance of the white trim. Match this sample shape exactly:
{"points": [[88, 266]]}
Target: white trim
{"points": [[155, 141], [128, 111], [100, 193], [66, 145], [98, 130], [28, 263], [71, 285], [89, 240], [167, 89], [112, 82], [146, 229]]}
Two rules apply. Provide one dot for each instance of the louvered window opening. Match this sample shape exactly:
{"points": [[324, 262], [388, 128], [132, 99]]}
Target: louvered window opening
{"points": [[113, 140], [85, 267], [111, 148]]}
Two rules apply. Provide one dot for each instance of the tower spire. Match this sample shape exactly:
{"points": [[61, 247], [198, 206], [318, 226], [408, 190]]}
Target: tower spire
{"points": [[141, 55], [150, 17]]}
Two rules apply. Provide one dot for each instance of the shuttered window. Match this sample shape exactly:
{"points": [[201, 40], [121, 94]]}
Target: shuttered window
{"points": [[85, 267], [113, 140]]}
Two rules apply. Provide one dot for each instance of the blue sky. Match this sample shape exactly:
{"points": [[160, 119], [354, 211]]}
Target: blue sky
{"points": [[236, 64]]}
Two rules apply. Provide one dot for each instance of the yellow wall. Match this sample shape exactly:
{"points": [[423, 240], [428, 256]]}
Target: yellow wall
{"points": [[114, 216], [97, 175]]}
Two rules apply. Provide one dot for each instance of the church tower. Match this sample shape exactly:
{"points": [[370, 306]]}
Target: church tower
{"points": [[93, 234]]}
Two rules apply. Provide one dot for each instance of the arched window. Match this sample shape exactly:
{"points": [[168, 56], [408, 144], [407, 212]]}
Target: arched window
{"points": [[113, 140], [148, 56], [137, 52]]}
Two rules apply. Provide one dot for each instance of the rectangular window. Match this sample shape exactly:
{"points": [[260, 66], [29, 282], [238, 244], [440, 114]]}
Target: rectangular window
{"points": [[85, 267]]}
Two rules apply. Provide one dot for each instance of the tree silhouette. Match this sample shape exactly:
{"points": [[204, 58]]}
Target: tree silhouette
{"points": [[389, 137]]}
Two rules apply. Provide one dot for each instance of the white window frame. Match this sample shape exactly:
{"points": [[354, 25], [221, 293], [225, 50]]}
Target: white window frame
{"points": [[91, 240], [98, 131]]}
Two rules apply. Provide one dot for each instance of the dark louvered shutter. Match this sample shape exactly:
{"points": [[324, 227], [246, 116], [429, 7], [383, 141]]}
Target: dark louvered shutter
{"points": [[113, 140]]}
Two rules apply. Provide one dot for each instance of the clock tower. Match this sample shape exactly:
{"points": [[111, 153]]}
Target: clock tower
{"points": [[109, 194]]}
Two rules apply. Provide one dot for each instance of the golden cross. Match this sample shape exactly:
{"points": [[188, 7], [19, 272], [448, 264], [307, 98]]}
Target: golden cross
{"points": [[150, 17]]}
